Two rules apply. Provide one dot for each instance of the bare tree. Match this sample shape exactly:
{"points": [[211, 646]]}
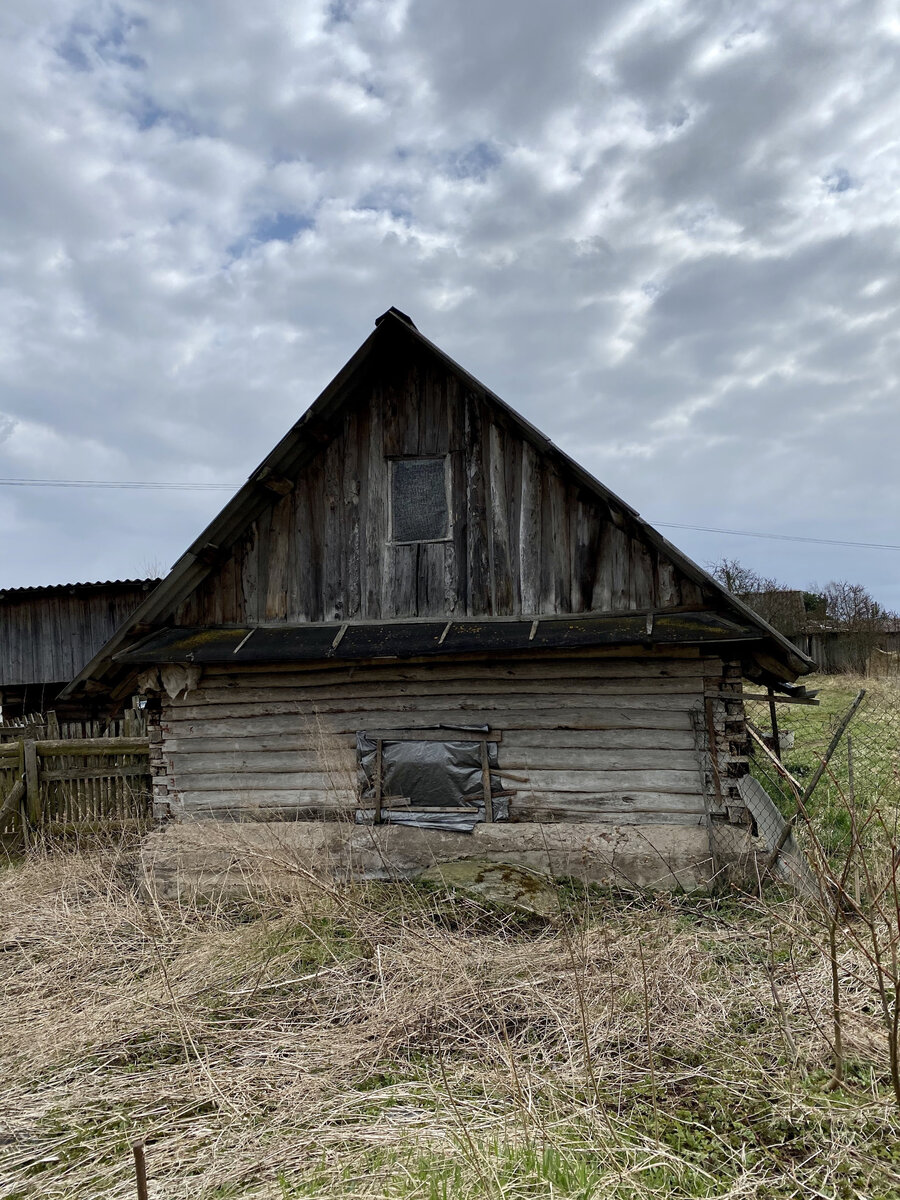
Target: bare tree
{"points": [[851, 604], [740, 579]]}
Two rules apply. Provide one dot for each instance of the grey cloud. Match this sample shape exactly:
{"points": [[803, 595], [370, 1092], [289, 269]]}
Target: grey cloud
{"points": [[668, 235]]}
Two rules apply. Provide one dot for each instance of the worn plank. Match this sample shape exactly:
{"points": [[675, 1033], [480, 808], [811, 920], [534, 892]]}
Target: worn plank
{"points": [[288, 799], [602, 688], [211, 723], [374, 512], [520, 746], [525, 669], [478, 592], [499, 515]]}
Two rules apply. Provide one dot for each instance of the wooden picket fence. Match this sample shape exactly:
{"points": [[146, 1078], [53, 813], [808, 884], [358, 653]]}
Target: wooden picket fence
{"points": [[55, 779]]}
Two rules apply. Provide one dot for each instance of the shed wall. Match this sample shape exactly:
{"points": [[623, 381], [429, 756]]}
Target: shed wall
{"points": [[610, 739], [49, 637]]}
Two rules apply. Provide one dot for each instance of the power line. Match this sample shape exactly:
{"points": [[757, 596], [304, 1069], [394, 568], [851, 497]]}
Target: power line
{"points": [[134, 485], [120, 483], [780, 537]]}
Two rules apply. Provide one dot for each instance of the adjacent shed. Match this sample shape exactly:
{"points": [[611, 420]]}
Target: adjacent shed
{"points": [[423, 625], [48, 635]]}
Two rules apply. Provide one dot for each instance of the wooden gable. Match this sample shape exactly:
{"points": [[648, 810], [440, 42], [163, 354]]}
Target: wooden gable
{"points": [[307, 542], [526, 535]]}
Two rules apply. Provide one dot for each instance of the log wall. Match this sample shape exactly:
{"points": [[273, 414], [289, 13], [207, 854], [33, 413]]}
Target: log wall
{"points": [[598, 738]]}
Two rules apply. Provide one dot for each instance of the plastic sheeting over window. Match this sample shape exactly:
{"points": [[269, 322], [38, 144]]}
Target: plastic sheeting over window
{"points": [[419, 508], [431, 784]]}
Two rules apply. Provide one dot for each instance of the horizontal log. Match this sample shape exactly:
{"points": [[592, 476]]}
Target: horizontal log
{"points": [[519, 741], [291, 798], [66, 774], [515, 742], [598, 783], [344, 758], [712, 663], [561, 815], [330, 725], [608, 818], [450, 710], [601, 782], [79, 747], [534, 673], [392, 695]]}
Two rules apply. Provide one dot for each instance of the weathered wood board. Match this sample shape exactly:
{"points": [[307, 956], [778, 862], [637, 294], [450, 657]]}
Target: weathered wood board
{"points": [[525, 536], [576, 742]]}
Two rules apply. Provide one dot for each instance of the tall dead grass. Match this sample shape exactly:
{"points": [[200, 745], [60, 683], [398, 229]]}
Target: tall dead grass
{"points": [[387, 1041]]}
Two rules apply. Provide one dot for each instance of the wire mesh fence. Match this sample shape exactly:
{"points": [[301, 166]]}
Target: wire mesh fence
{"points": [[862, 773]]}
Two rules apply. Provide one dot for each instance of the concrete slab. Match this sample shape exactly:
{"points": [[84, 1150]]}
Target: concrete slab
{"points": [[215, 857]]}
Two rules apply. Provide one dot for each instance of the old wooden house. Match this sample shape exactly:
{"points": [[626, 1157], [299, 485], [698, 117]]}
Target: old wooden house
{"points": [[48, 635], [423, 625]]}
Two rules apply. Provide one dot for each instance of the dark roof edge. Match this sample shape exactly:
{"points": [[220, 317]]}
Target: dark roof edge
{"points": [[253, 497], [22, 593]]}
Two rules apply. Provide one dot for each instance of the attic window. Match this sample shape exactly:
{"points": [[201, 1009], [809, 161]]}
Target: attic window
{"points": [[420, 507]]}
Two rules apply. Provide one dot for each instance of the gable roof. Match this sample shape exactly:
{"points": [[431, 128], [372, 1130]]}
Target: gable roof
{"points": [[268, 483]]}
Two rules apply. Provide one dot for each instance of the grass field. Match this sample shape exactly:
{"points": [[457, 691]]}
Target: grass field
{"points": [[874, 747], [395, 1042]]}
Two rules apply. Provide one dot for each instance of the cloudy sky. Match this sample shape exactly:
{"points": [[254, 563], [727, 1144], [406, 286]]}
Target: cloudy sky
{"points": [[666, 232]]}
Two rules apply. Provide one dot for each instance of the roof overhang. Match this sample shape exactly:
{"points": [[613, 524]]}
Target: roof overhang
{"points": [[399, 639]]}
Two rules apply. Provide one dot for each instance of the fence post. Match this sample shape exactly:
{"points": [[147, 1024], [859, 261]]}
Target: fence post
{"points": [[32, 783]]}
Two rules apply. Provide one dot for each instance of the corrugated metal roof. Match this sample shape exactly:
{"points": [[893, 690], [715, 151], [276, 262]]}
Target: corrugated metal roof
{"points": [[23, 593]]}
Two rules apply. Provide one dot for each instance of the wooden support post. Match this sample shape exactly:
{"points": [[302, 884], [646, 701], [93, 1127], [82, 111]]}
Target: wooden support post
{"points": [[140, 1170], [486, 783], [833, 744], [773, 718], [379, 762], [813, 783], [713, 751], [32, 783]]}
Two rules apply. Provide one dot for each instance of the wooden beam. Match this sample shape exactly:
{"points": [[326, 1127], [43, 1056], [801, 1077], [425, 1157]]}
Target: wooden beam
{"points": [[379, 767], [433, 735], [279, 485], [776, 762], [32, 783], [486, 783], [773, 718], [83, 746]]}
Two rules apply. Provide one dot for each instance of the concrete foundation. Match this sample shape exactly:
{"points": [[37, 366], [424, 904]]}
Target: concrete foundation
{"points": [[209, 857]]}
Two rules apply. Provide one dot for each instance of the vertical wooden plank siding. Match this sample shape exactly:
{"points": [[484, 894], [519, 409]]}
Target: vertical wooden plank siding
{"points": [[48, 634], [524, 538]]}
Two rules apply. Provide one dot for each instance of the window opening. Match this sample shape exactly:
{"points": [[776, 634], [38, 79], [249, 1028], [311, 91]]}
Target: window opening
{"points": [[442, 779], [420, 507]]}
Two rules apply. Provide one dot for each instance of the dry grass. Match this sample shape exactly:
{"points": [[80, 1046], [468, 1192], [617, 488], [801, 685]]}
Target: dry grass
{"points": [[384, 1041]]}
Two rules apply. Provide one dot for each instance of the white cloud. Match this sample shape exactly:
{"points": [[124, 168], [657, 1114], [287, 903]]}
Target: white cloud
{"points": [[664, 230]]}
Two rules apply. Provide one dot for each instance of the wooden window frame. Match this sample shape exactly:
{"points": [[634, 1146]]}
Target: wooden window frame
{"points": [[445, 459], [431, 735]]}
